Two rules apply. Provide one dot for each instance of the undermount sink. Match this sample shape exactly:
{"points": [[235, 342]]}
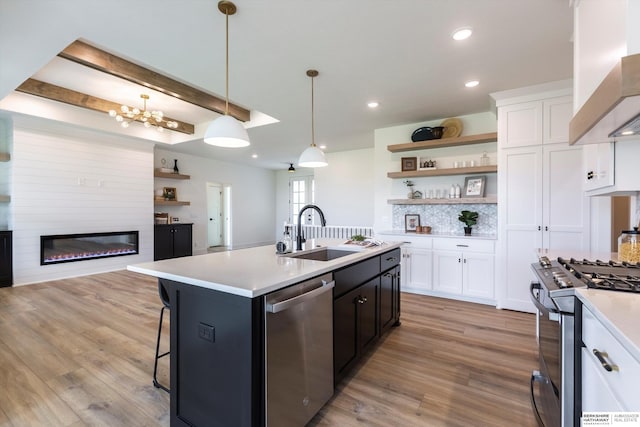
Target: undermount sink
{"points": [[324, 254]]}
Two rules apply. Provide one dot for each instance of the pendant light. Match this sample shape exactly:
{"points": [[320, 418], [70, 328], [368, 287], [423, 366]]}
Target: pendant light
{"points": [[291, 168], [226, 131], [312, 157]]}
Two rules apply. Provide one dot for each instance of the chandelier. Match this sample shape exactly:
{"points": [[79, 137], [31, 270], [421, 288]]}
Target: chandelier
{"points": [[147, 118]]}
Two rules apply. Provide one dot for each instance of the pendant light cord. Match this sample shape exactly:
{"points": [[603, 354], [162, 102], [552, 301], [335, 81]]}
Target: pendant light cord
{"points": [[226, 106], [313, 131]]}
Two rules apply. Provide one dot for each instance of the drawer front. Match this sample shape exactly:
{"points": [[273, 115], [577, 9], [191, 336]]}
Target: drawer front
{"points": [[624, 378], [355, 275], [464, 245], [389, 259]]}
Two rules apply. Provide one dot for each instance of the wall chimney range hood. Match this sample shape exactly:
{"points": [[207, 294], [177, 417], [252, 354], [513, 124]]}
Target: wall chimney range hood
{"points": [[613, 110]]}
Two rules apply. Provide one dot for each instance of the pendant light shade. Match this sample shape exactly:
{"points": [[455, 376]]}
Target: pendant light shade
{"points": [[226, 131], [312, 157]]}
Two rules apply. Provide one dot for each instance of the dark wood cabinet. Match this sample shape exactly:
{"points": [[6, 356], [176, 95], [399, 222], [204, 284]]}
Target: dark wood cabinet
{"points": [[172, 241], [6, 259], [366, 302], [389, 299], [355, 326]]}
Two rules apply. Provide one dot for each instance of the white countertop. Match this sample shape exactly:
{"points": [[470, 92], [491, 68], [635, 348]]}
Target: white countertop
{"points": [[619, 312], [254, 271], [441, 235]]}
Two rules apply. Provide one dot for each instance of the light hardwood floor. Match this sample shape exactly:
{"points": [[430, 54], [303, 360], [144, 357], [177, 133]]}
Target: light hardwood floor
{"points": [[80, 351]]}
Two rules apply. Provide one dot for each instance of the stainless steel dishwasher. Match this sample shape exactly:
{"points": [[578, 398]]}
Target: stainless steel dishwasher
{"points": [[299, 351]]}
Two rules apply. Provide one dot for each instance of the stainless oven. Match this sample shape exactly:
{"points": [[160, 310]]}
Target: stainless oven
{"points": [[552, 384]]}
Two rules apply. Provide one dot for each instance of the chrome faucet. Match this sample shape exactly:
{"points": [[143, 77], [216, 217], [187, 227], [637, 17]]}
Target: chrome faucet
{"points": [[299, 238]]}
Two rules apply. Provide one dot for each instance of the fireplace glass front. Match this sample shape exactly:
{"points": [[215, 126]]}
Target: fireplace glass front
{"points": [[79, 247]]}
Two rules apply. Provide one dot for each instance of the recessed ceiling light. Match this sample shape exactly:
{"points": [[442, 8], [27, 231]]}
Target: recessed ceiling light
{"points": [[372, 104], [472, 83], [462, 33], [255, 156], [322, 147]]}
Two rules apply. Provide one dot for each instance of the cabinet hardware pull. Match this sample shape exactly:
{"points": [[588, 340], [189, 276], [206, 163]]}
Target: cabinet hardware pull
{"points": [[462, 246], [459, 260], [546, 228], [464, 260], [601, 358], [539, 228], [391, 259]]}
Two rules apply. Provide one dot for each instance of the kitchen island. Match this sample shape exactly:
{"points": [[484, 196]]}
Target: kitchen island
{"points": [[218, 306]]}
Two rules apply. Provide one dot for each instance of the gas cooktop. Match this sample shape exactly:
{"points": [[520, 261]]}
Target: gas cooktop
{"points": [[570, 273], [607, 275]]}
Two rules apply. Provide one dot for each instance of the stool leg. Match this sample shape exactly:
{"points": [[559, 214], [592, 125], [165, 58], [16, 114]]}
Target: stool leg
{"points": [[158, 356]]}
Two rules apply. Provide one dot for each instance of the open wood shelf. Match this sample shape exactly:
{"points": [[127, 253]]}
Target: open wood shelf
{"points": [[444, 172], [5, 157], [172, 175], [460, 201], [446, 142], [170, 203]]}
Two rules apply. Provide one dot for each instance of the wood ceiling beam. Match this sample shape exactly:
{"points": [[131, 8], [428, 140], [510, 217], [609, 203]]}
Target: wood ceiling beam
{"points": [[87, 55], [78, 99]]}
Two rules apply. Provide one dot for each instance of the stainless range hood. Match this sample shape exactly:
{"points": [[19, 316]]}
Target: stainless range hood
{"points": [[613, 110]]}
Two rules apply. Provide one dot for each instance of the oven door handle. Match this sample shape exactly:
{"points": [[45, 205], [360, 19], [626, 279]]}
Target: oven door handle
{"points": [[541, 307]]}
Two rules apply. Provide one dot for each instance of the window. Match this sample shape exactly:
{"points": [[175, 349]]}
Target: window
{"points": [[301, 192]]}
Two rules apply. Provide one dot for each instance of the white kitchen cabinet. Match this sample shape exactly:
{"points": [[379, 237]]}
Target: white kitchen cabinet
{"points": [[613, 389], [596, 394], [416, 268], [543, 207], [598, 164], [541, 203], [520, 125], [544, 121], [464, 267], [556, 115]]}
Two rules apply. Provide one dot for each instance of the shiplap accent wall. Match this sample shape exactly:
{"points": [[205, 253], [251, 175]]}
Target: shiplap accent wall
{"points": [[5, 171], [76, 181]]}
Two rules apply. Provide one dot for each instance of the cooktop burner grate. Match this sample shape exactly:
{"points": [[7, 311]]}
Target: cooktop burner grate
{"points": [[606, 275]]}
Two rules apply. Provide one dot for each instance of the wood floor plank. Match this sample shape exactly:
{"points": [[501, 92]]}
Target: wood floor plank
{"points": [[80, 352]]}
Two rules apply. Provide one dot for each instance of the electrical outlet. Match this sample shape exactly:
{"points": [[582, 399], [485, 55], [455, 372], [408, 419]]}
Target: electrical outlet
{"points": [[206, 332]]}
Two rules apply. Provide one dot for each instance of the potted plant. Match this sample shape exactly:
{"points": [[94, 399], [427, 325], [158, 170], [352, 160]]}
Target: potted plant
{"points": [[469, 218]]}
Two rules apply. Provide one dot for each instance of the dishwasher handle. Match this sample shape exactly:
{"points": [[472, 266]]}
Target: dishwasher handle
{"points": [[283, 305]]}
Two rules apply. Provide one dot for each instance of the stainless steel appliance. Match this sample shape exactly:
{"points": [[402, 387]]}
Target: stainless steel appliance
{"points": [[552, 386], [299, 351], [553, 403]]}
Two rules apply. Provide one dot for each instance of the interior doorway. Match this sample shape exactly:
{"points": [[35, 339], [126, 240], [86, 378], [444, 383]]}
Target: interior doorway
{"points": [[216, 219], [620, 218]]}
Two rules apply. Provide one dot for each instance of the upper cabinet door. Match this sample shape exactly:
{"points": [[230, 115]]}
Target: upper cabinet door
{"points": [[520, 125], [557, 115]]}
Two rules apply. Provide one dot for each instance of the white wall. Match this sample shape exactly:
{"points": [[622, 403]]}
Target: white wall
{"points": [[253, 204], [385, 161], [65, 181], [600, 39], [345, 188]]}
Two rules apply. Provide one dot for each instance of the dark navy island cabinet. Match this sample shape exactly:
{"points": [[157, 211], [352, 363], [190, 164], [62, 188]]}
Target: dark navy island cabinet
{"points": [[6, 259]]}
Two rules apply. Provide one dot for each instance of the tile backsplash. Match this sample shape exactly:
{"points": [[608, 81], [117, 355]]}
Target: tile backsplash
{"points": [[444, 218]]}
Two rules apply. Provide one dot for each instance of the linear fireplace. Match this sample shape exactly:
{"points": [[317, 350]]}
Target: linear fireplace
{"points": [[79, 247]]}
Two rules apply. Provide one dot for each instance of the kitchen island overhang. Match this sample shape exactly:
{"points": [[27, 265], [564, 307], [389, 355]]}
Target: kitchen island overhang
{"points": [[256, 271], [223, 381]]}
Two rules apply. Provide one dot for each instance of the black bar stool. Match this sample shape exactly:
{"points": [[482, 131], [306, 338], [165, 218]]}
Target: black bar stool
{"points": [[164, 297]]}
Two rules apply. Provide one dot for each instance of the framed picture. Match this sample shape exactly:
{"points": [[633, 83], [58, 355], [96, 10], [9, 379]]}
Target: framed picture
{"points": [[474, 186], [409, 164], [170, 193], [411, 222]]}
